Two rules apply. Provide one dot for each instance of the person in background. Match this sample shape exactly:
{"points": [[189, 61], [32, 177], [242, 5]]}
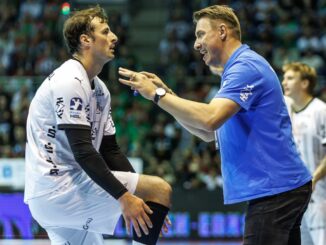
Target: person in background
{"points": [[308, 116]]}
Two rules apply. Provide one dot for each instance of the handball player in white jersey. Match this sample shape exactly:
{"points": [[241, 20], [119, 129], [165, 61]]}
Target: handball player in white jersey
{"points": [[308, 116], [78, 182]]}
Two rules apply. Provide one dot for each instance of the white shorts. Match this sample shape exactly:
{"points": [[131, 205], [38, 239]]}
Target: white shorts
{"points": [[313, 229], [80, 215]]}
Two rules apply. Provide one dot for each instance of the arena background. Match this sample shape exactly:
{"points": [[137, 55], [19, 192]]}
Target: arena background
{"points": [[156, 36]]}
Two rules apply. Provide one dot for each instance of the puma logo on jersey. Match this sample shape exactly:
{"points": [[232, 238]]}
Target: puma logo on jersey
{"points": [[86, 226]]}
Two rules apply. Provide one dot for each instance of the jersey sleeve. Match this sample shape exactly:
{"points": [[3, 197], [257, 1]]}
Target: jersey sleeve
{"points": [[322, 126], [71, 104], [242, 84], [109, 126]]}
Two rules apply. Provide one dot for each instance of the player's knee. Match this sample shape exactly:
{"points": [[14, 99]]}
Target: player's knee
{"points": [[155, 189], [163, 191]]}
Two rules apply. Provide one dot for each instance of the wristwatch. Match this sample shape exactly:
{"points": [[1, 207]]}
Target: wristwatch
{"points": [[159, 93]]}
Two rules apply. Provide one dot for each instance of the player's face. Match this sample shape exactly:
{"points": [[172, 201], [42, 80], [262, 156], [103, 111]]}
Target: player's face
{"points": [[208, 42], [104, 40], [292, 83]]}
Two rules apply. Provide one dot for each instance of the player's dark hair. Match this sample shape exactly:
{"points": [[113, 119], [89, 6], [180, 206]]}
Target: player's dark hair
{"points": [[80, 23]]}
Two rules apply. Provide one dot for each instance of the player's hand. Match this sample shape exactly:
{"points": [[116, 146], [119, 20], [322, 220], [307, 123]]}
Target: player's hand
{"points": [[134, 211], [166, 224], [314, 182], [139, 82]]}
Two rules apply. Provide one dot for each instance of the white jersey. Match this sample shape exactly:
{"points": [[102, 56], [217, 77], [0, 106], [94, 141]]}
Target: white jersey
{"points": [[309, 131], [65, 99]]}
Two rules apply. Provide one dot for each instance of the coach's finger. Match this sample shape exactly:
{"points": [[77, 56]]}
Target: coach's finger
{"points": [[148, 74]]}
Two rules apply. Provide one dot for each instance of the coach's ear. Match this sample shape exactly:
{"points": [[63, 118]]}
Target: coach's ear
{"points": [[222, 31]]}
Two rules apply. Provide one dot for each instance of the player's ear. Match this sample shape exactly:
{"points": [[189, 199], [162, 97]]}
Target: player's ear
{"points": [[305, 84], [84, 39]]}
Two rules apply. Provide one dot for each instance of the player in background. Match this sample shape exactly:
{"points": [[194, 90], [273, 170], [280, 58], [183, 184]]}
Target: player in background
{"points": [[308, 115], [260, 162], [78, 182]]}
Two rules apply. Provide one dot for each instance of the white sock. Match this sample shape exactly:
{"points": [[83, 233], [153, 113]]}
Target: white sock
{"points": [[137, 243]]}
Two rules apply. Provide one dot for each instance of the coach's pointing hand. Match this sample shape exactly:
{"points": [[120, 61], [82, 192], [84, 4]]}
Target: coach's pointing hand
{"points": [[140, 82]]}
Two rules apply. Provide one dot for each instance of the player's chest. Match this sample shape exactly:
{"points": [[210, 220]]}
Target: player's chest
{"points": [[96, 106], [304, 123]]}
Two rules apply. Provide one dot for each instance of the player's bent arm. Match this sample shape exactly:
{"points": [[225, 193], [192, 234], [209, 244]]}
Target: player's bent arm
{"points": [[203, 116], [206, 136], [113, 156], [92, 162], [320, 172]]}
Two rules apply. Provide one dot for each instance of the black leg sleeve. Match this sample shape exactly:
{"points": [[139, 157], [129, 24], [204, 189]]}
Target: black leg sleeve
{"points": [[157, 218]]}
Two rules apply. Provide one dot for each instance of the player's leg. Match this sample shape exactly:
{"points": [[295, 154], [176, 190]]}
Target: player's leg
{"points": [[85, 206], [317, 225], [157, 194], [305, 231], [66, 236]]}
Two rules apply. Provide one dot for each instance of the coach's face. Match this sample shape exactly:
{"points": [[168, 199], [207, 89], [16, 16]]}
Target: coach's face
{"points": [[208, 41], [104, 41]]}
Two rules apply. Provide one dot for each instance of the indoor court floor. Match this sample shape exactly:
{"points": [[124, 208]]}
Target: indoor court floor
{"points": [[115, 242]]}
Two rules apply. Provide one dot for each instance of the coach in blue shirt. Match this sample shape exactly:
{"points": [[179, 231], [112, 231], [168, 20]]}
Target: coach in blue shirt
{"points": [[249, 120]]}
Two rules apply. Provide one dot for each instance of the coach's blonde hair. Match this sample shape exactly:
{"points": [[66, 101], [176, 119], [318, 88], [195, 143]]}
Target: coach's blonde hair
{"points": [[305, 71], [220, 12]]}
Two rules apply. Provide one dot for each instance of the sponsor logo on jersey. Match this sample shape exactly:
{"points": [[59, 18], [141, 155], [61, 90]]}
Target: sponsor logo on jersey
{"points": [[86, 226], [98, 92], [76, 106], [246, 92], [59, 107], [87, 111]]}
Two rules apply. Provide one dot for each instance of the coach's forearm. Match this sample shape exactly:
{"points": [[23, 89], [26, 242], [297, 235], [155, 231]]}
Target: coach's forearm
{"points": [[207, 117], [197, 114], [206, 136]]}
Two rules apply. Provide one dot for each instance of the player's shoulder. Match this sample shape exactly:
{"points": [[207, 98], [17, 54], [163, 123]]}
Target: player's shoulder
{"points": [[317, 108], [70, 72], [102, 85], [318, 104], [71, 68]]}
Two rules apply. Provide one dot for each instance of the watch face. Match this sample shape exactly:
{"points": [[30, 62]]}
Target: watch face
{"points": [[160, 91]]}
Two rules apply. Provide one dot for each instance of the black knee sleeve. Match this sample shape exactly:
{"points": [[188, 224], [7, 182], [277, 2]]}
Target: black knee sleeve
{"points": [[157, 218]]}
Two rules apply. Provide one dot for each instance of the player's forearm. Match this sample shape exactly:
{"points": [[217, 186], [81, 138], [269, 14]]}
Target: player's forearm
{"points": [[207, 136], [92, 162], [113, 156], [195, 113], [320, 172]]}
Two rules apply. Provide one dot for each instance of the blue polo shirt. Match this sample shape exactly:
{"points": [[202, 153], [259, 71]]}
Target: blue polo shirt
{"points": [[258, 153]]}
